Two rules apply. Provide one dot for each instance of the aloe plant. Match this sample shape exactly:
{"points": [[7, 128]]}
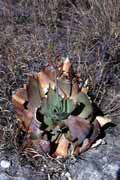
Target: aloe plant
{"points": [[53, 110]]}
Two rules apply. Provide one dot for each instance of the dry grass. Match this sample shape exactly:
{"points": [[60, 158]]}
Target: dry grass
{"points": [[35, 32]]}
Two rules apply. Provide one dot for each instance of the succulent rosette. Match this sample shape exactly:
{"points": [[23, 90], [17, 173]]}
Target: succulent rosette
{"points": [[56, 113]]}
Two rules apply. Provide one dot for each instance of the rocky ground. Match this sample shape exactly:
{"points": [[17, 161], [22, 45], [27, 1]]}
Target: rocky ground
{"points": [[31, 34]]}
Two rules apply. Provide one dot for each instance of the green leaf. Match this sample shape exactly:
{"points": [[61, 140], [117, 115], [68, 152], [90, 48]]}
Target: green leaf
{"points": [[54, 108], [48, 121], [86, 109], [70, 106], [67, 107], [66, 86], [52, 104], [54, 100]]}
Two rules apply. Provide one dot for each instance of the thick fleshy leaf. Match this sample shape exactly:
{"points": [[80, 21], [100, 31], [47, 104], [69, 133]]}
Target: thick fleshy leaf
{"points": [[62, 148], [35, 133], [51, 104], [55, 108], [50, 72], [78, 149], [45, 82], [34, 129], [64, 81], [96, 132], [85, 146], [65, 86], [48, 121], [85, 106], [54, 100], [24, 115], [66, 66], [68, 106], [20, 98], [85, 87], [84, 90], [33, 92], [75, 89], [79, 128], [53, 97]]}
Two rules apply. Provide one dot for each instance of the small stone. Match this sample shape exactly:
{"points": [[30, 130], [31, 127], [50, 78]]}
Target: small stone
{"points": [[62, 174], [42, 169], [67, 175], [97, 143], [5, 164]]}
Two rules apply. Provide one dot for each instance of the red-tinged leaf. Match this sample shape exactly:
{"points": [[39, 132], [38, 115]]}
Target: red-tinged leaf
{"points": [[45, 82], [66, 66], [84, 90], [85, 87], [24, 115], [96, 132], [85, 146], [33, 92], [42, 144], [34, 129], [50, 72], [78, 127], [20, 98], [78, 149], [53, 95], [27, 94], [62, 148]]}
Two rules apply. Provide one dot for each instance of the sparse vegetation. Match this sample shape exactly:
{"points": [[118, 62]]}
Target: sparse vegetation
{"points": [[56, 113], [34, 33]]}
